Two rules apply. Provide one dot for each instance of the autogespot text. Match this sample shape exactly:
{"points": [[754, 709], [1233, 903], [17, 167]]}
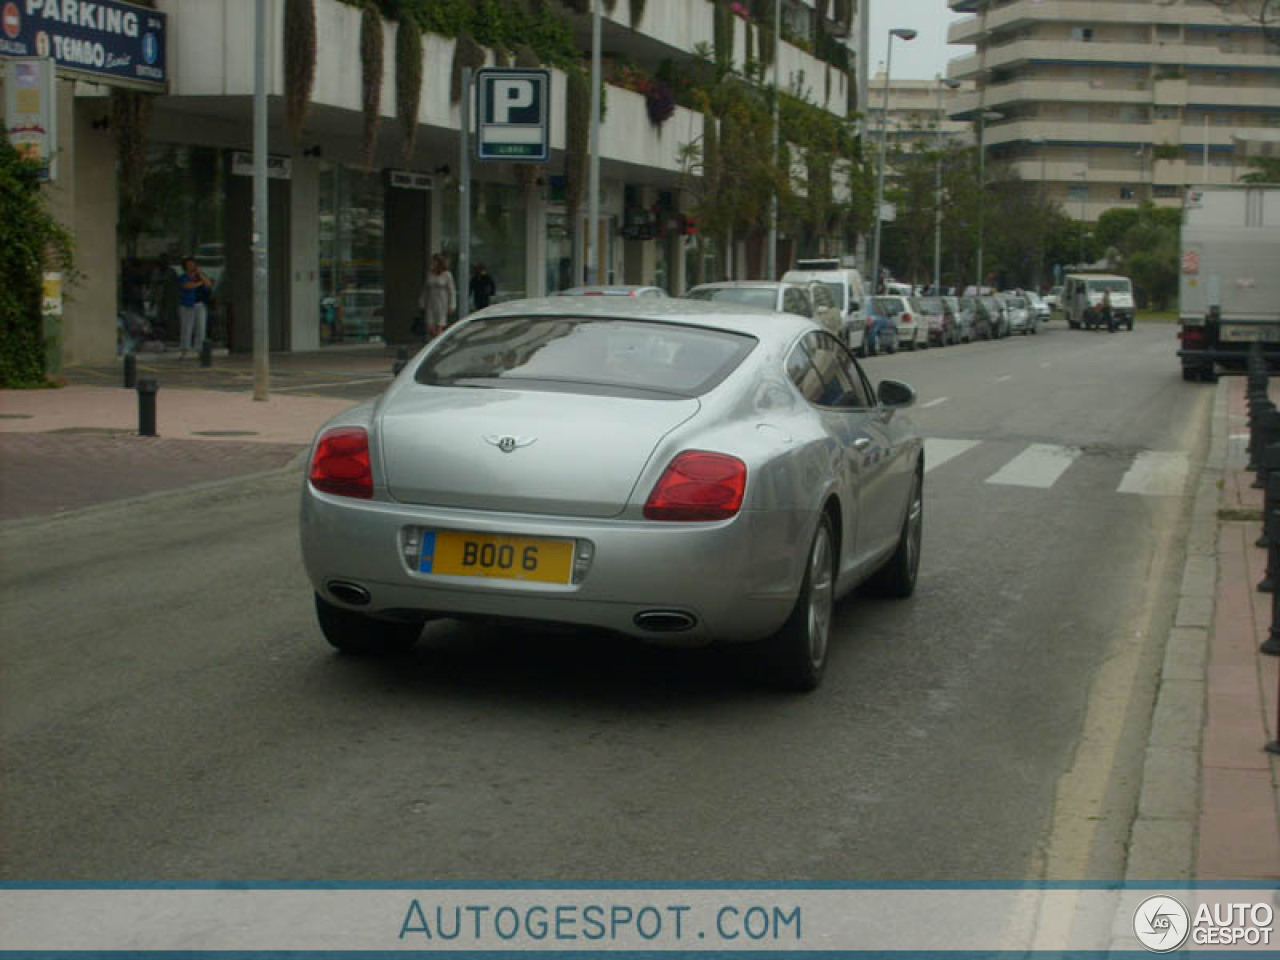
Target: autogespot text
{"points": [[607, 923]]}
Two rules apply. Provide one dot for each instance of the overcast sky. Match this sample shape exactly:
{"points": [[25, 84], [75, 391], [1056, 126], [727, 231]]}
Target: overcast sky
{"points": [[926, 55]]}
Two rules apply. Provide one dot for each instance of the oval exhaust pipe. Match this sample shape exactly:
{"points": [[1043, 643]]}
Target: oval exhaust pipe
{"points": [[351, 593], [665, 621]]}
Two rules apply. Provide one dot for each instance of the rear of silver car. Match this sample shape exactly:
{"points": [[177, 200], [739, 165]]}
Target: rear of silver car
{"points": [[532, 501]]}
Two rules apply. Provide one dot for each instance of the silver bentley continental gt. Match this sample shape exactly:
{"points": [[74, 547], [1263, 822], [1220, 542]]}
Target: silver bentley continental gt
{"points": [[680, 472]]}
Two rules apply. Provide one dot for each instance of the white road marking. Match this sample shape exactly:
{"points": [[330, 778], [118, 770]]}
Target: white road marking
{"points": [[938, 450], [933, 403], [1156, 474], [1004, 378], [1040, 465]]}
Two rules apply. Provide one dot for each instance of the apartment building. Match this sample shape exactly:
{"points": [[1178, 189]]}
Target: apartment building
{"points": [[1109, 102], [919, 110], [350, 231]]}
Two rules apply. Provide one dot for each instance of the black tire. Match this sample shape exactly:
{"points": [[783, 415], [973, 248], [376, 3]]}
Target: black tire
{"points": [[797, 654], [897, 578], [361, 635], [1191, 374]]}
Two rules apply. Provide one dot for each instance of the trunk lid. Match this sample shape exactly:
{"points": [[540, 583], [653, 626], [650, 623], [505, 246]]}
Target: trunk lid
{"points": [[571, 454]]}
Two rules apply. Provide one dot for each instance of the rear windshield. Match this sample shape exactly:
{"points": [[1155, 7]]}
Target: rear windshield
{"points": [[886, 306], [585, 355], [755, 296], [837, 292], [1112, 286], [929, 305]]}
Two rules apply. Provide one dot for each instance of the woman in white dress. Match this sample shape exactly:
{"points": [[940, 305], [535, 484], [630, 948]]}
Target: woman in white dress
{"points": [[439, 300]]}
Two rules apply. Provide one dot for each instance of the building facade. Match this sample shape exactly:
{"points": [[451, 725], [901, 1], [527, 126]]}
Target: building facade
{"points": [[350, 234], [920, 111], [1112, 102]]}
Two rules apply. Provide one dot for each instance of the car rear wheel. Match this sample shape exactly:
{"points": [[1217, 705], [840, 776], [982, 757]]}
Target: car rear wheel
{"points": [[798, 652], [359, 634], [897, 578]]}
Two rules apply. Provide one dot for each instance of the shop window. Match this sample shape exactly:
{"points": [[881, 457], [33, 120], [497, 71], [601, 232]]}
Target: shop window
{"points": [[497, 236], [352, 300]]}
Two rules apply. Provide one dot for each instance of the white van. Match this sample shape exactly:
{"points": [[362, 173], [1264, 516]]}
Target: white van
{"points": [[845, 285], [1082, 298]]}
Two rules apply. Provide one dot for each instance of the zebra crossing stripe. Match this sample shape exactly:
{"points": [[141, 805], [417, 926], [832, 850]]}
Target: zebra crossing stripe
{"points": [[938, 450], [1040, 465], [1156, 474]]}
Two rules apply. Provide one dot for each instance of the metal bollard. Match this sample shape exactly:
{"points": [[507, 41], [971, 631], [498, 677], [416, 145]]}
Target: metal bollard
{"points": [[206, 353], [402, 360], [1271, 529], [1272, 501], [1268, 436], [147, 389], [130, 371]]}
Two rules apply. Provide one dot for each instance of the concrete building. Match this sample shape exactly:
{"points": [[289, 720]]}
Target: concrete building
{"points": [[349, 241], [1110, 102], [919, 110]]}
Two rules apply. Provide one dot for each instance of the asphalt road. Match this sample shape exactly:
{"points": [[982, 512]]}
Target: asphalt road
{"points": [[169, 710]]}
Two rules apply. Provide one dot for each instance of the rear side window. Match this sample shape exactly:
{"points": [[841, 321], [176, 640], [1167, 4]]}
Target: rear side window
{"points": [[796, 301], [585, 355], [826, 374]]}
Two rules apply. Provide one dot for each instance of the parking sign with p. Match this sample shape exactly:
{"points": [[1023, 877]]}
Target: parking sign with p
{"points": [[513, 113]]}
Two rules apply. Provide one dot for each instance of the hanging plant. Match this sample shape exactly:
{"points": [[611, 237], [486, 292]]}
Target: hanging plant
{"points": [[466, 53], [637, 13], [299, 61], [765, 38], [577, 111], [723, 34], [659, 102], [370, 80], [408, 83], [527, 174]]}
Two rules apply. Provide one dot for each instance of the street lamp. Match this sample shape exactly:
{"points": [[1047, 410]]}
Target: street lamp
{"points": [[1043, 146], [902, 33], [949, 84], [983, 117]]}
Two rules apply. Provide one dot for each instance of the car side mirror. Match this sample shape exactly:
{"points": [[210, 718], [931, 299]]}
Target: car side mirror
{"points": [[895, 395]]}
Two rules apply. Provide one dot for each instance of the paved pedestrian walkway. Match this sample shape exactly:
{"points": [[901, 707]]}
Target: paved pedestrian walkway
{"points": [[1239, 827]]}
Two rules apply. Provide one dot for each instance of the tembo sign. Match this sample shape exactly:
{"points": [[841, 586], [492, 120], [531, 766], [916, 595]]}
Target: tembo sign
{"points": [[113, 42]]}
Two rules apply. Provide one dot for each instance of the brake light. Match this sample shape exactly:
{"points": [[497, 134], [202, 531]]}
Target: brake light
{"points": [[341, 463], [906, 318], [1192, 334], [698, 485]]}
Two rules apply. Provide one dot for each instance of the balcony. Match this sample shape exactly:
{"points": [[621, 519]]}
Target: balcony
{"points": [[1068, 131], [1044, 91], [1080, 52], [1026, 12]]}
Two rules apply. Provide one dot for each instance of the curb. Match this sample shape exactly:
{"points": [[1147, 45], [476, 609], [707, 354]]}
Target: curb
{"points": [[1163, 835]]}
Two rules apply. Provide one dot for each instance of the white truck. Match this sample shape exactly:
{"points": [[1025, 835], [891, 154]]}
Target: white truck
{"points": [[1229, 285]]}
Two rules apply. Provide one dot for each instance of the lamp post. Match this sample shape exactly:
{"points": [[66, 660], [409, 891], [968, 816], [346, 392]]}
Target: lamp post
{"points": [[1043, 146], [772, 259], [983, 117], [948, 83], [902, 33]]}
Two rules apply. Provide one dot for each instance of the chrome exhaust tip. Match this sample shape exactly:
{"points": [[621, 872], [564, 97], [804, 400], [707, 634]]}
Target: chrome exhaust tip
{"points": [[351, 593], [665, 621]]}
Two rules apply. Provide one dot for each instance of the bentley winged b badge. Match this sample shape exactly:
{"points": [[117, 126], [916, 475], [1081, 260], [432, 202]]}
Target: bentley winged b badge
{"points": [[507, 444]]}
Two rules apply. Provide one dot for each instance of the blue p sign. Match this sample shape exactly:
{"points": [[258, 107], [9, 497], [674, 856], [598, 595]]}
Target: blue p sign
{"points": [[514, 115]]}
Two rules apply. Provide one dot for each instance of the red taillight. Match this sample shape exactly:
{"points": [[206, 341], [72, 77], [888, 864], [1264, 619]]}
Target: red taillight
{"points": [[906, 318], [341, 463], [698, 485], [1192, 334]]}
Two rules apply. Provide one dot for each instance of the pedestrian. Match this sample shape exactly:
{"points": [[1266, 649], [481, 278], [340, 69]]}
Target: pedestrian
{"points": [[482, 286], [1107, 316], [439, 299], [193, 307]]}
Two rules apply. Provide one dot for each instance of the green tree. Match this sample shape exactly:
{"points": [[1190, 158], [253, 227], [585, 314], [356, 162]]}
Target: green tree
{"points": [[1262, 170], [31, 241]]}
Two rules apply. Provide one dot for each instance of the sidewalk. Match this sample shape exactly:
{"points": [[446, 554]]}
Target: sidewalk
{"points": [[77, 446]]}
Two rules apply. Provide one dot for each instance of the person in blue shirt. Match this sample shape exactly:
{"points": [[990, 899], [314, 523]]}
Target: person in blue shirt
{"points": [[193, 307]]}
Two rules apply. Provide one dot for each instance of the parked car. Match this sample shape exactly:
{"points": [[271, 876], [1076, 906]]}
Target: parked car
{"points": [[1054, 297], [939, 321], [909, 333], [1040, 305], [963, 317], [613, 290], [1022, 317], [997, 317], [846, 289], [980, 319], [810, 300], [592, 470]]}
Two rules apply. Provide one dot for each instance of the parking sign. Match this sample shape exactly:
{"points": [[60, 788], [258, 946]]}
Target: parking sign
{"points": [[513, 115]]}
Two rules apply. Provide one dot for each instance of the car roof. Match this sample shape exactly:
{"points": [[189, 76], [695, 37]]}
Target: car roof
{"points": [[609, 290], [731, 317], [746, 284]]}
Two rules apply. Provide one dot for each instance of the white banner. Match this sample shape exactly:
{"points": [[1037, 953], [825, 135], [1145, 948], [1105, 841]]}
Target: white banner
{"points": [[763, 919]]}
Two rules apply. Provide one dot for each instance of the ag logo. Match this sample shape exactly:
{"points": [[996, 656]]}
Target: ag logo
{"points": [[1161, 924]]}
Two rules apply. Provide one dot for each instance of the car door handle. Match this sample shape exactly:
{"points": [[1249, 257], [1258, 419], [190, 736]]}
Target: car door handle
{"points": [[861, 443]]}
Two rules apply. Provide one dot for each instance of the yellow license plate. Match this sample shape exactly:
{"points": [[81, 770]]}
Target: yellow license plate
{"points": [[498, 557]]}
